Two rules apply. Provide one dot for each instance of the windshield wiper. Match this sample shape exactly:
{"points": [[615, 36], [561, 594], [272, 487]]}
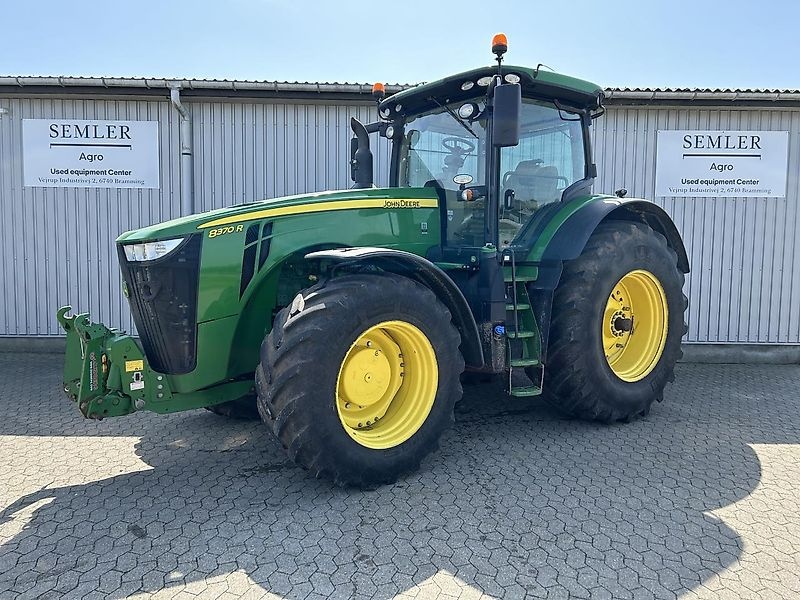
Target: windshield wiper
{"points": [[456, 117]]}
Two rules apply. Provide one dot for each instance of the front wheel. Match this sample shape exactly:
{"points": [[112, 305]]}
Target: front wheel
{"points": [[617, 324], [359, 376]]}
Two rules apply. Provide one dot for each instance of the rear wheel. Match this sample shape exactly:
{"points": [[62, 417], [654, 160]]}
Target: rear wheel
{"points": [[617, 324], [358, 378]]}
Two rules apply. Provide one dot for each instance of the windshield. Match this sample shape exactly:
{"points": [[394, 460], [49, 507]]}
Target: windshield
{"points": [[439, 149], [439, 145]]}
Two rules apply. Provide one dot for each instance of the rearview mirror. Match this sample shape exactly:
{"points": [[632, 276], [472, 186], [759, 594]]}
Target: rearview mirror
{"points": [[507, 104]]}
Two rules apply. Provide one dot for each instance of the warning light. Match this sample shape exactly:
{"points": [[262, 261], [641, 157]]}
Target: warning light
{"points": [[378, 91], [499, 44]]}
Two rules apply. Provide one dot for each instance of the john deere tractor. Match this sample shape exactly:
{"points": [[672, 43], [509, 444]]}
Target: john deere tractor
{"points": [[345, 319]]}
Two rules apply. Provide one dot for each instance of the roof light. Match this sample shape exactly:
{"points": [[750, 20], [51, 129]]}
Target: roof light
{"points": [[467, 85], [378, 91], [465, 111], [499, 44]]}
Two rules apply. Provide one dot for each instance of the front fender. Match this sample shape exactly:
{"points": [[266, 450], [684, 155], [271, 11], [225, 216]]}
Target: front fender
{"points": [[428, 274]]}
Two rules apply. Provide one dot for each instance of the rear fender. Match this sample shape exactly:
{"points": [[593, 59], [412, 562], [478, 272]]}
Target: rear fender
{"points": [[561, 233], [571, 236], [428, 274]]}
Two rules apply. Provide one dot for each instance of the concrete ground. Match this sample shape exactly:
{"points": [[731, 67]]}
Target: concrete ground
{"points": [[700, 499]]}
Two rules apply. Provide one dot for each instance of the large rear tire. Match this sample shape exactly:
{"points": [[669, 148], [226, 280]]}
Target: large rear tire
{"points": [[359, 376], [617, 324]]}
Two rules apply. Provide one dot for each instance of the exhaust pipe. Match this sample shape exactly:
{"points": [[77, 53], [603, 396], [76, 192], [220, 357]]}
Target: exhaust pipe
{"points": [[360, 155]]}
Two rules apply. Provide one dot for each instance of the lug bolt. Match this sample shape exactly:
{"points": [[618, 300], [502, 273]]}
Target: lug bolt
{"points": [[369, 344], [360, 425]]}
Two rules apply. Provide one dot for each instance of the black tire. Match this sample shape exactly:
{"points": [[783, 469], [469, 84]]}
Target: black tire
{"points": [[244, 409], [300, 362], [578, 379]]}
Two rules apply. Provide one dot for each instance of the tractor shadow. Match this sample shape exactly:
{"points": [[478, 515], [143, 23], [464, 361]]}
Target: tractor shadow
{"points": [[517, 501]]}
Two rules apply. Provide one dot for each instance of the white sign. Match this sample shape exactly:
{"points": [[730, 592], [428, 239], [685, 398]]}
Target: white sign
{"points": [[95, 154], [722, 163]]}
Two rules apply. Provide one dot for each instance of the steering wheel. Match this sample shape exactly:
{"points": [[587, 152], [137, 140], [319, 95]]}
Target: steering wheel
{"points": [[458, 145]]}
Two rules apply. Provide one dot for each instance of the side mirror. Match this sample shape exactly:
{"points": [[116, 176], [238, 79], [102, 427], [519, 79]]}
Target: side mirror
{"points": [[507, 105]]}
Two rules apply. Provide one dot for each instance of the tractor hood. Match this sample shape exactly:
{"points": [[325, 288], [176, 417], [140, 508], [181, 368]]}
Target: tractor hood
{"points": [[285, 207]]}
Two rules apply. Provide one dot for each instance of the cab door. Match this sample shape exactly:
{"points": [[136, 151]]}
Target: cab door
{"points": [[549, 158]]}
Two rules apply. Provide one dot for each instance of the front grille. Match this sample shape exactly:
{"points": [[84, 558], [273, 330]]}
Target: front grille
{"points": [[163, 299]]}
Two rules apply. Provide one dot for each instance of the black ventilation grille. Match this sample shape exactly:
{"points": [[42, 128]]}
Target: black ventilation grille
{"points": [[163, 298], [256, 244]]}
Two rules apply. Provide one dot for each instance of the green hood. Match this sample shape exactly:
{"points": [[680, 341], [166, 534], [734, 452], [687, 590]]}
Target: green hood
{"points": [[277, 208]]}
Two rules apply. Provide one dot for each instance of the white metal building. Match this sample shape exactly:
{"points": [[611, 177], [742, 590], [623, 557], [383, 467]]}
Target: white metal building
{"points": [[254, 140]]}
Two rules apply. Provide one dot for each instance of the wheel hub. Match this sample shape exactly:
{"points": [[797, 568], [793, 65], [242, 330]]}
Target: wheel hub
{"points": [[387, 384], [633, 352]]}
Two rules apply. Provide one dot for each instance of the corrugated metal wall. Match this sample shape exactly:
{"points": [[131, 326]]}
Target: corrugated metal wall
{"points": [[58, 247], [744, 253], [58, 243]]}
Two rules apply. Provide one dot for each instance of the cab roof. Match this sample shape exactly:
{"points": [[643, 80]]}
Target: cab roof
{"points": [[573, 92]]}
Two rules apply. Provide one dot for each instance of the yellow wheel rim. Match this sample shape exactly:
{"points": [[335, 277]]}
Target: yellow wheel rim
{"points": [[387, 384], [635, 325]]}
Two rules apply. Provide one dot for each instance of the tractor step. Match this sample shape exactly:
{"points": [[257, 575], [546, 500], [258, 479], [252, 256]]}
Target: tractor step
{"points": [[510, 307], [519, 278], [520, 334], [524, 362], [525, 391]]}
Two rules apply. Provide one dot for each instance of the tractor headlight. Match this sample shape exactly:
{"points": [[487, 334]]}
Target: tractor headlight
{"points": [[468, 110], [150, 250]]}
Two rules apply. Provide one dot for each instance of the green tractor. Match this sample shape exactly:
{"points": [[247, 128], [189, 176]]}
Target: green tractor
{"points": [[346, 319]]}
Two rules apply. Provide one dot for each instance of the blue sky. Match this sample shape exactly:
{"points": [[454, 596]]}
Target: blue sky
{"points": [[698, 43]]}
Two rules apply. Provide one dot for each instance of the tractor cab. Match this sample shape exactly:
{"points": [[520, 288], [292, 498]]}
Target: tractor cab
{"points": [[497, 144]]}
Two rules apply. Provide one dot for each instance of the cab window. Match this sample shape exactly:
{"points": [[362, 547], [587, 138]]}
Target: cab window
{"points": [[442, 151], [549, 158]]}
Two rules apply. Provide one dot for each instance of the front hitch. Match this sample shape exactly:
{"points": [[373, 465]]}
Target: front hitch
{"points": [[105, 372]]}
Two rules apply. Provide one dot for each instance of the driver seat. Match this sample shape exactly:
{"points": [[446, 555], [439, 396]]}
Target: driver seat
{"points": [[534, 184]]}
